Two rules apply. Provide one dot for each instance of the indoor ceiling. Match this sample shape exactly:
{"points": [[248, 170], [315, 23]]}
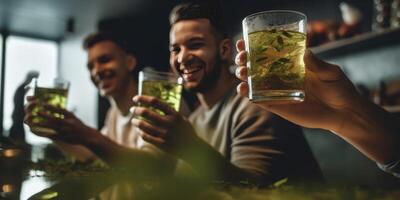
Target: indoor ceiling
{"points": [[48, 18]]}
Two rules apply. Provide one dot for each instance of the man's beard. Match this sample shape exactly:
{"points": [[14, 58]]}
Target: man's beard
{"points": [[209, 80]]}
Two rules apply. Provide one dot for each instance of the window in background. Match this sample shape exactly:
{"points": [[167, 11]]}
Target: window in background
{"points": [[1, 60], [1, 49], [22, 56]]}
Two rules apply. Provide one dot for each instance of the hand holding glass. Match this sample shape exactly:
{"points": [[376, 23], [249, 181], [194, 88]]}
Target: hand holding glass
{"points": [[166, 87], [55, 95]]}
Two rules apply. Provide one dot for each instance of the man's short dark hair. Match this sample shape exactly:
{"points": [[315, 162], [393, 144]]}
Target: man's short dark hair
{"points": [[119, 39], [208, 9], [97, 37]]}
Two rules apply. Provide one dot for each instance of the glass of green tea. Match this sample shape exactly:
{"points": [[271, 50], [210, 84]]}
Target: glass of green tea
{"points": [[275, 42], [55, 95], [165, 86]]}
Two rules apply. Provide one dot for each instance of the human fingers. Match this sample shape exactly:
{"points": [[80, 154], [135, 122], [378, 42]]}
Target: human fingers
{"points": [[240, 46], [148, 128], [243, 89], [241, 73], [157, 141], [55, 109], [154, 117], [30, 105], [155, 103], [241, 58], [30, 98], [28, 119], [48, 120]]}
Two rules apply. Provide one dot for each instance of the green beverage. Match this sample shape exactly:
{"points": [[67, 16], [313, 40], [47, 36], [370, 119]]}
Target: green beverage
{"points": [[167, 92], [53, 96], [276, 61], [275, 42], [166, 87]]}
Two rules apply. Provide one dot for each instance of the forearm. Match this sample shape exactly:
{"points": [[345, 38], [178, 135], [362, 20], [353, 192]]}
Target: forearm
{"points": [[210, 164], [135, 160], [373, 131], [79, 152]]}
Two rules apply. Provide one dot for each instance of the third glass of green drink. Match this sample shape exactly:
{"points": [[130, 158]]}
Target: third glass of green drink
{"points": [[166, 87], [275, 41]]}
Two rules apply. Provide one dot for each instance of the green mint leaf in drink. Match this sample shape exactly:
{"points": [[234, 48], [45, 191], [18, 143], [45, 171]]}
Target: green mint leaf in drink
{"points": [[280, 65], [51, 96], [166, 91]]}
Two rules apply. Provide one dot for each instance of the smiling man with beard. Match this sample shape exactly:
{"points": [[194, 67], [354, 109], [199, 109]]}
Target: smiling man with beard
{"points": [[113, 70], [227, 137]]}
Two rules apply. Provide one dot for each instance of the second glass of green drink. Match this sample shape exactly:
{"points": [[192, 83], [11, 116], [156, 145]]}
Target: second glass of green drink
{"points": [[276, 41], [165, 86]]}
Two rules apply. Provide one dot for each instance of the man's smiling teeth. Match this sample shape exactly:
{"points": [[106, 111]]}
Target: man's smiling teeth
{"points": [[189, 71], [105, 76]]}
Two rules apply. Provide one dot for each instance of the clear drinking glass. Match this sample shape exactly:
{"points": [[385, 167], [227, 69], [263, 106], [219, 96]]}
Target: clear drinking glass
{"points": [[165, 86], [56, 95], [275, 41]]}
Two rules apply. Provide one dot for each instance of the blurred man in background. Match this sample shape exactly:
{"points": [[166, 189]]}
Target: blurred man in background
{"points": [[113, 70]]}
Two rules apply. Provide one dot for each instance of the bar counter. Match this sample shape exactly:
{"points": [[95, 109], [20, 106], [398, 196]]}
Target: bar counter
{"points": [[36, 174]]}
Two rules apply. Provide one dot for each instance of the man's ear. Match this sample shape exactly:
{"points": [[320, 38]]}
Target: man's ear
{"points": [[132, 62], [225, 49]]}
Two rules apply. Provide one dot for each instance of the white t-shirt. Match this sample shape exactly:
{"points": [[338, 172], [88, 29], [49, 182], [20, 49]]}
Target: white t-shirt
{"points": [[118, 128]]}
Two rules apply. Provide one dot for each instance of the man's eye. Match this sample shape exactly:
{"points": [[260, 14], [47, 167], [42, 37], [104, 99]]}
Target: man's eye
{"points": [[89, 66], [104, 59], [174, 50], [196, 45]]}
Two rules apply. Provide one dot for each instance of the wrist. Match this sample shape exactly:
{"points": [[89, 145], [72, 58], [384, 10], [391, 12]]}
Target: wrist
{"points": [[350, 115], [371, 130], [188, 149], [89, 137]]}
